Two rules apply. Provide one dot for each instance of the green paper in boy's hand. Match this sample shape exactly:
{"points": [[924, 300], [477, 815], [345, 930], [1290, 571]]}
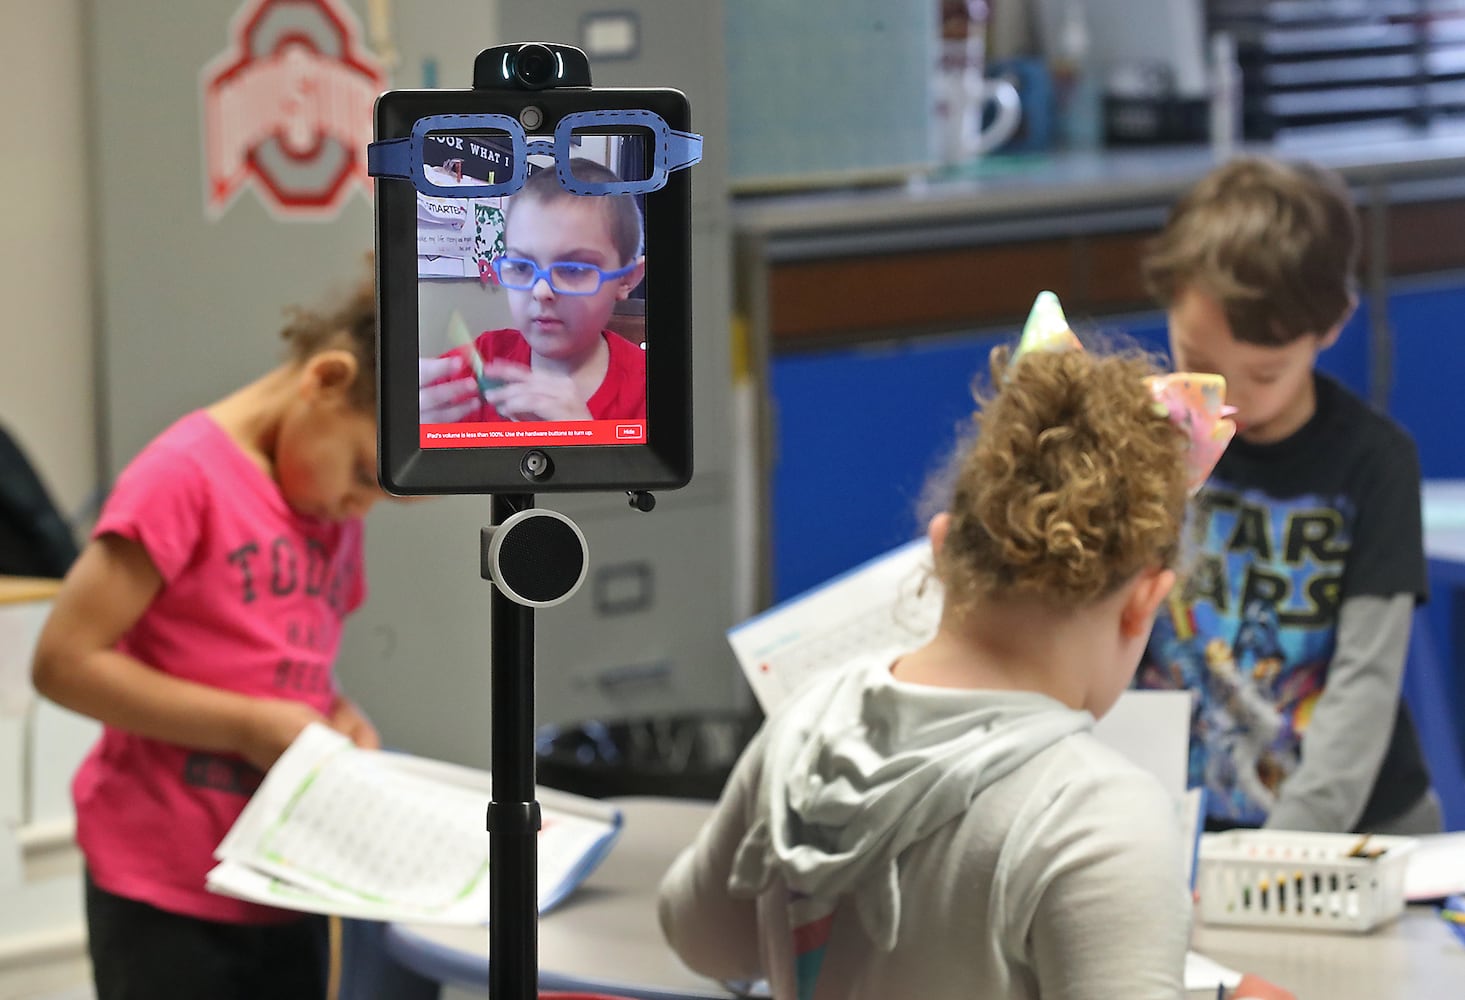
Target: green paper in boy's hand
{"points": [[458, 334]]}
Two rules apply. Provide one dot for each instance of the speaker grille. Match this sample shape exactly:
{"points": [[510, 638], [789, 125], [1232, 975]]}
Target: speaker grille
{"points": [[541, 558]]}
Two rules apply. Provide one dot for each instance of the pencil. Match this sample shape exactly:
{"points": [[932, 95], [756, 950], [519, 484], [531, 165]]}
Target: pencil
{"points": [[1359, 852]]}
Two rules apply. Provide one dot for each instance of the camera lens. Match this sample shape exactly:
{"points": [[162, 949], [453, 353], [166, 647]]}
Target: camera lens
{"points": [[534, 65], [535, 465], [531, 117]]}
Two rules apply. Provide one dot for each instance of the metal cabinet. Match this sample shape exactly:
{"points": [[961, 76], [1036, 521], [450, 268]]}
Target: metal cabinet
{"points": [[188, 307]]}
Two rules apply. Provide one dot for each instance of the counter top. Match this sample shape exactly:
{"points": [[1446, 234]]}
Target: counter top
{"points": [[1025, 185], [24, 589]]}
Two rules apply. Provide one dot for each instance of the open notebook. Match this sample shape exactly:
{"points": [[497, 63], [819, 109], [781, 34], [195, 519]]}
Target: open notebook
{"points": [[894, 602], [389, 836]]}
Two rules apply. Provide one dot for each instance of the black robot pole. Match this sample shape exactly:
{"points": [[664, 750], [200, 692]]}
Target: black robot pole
{"points": [[513, 813]]}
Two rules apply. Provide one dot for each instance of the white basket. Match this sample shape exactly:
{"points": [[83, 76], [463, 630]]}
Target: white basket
{"points": [[1267, 878]]}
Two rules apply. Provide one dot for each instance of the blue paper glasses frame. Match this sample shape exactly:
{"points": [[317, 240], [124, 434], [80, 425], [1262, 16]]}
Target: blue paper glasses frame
{"points": [[402, 158], [564, 277]]}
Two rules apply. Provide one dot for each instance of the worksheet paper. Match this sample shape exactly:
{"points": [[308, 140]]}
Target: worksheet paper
{"points": [[388, 836], [1436, 867], [893, 601]]}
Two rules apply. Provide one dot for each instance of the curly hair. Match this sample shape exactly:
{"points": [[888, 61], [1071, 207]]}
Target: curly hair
{"points": [[1073, 484], [349, 323]]}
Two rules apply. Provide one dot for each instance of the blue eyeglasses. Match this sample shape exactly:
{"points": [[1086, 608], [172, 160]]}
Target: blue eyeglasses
{"points": [[564, 277], [668, 150]]}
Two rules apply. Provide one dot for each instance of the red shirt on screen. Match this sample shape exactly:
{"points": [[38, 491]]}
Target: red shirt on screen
{"points": [[620, 396]]}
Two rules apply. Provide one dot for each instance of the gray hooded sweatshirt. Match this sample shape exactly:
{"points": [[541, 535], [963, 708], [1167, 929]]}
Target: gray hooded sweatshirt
{"points": [[885, 840]]}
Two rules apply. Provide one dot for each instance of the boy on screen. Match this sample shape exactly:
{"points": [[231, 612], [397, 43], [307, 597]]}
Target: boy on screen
{"points": [[568, 259]]}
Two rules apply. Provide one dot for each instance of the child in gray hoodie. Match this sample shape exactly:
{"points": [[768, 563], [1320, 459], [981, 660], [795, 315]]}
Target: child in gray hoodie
{"points": [[940, 822]]}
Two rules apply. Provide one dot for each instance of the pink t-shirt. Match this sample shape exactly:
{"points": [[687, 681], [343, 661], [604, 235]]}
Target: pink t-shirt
{"points": [[252, 601]]}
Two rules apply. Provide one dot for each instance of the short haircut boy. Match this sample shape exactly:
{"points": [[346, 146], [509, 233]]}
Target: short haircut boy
{"points": [[1293, 630], [1275, 243], [622, 212]]}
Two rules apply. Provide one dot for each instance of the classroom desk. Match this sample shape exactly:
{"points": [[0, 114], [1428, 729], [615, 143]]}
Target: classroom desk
{"points": [[606, 938], [1415, 958]]}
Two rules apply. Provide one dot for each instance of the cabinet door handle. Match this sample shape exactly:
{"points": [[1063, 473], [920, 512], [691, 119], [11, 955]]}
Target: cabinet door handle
{"points": [[624, 588]]}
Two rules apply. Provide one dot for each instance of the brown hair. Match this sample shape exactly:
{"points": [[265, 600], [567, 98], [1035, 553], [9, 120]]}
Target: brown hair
{"points": [[348, 323], [622, 212], [1073, 484], [1275, 243]]}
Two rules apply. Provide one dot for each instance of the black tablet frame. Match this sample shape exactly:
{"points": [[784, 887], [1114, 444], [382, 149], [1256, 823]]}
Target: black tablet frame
{"points": [[664, 460]]}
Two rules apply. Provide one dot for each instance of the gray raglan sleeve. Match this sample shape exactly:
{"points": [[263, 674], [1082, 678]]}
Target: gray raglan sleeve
{"points": [[710, 930], [1353, 719]]}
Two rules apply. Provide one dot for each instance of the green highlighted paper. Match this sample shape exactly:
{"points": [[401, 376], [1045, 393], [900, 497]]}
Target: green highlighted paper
{"points": [[458, 334]]}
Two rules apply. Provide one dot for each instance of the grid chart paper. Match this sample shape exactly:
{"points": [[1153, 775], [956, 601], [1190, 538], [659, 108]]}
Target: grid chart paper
{"points": [[827, 91]]}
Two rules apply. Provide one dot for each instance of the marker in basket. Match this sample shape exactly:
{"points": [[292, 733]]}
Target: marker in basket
{"points": [[1359, 850]]}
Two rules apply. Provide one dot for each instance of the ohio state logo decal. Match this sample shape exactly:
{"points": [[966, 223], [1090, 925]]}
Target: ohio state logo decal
{"points": [[287, 109]]}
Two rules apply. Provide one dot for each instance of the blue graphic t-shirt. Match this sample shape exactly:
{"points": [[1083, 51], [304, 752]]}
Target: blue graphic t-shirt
{"points": [[1286, 533]]}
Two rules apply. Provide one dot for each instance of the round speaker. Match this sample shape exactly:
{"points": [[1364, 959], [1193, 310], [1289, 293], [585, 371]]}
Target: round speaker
{"points": [[537, 557]]}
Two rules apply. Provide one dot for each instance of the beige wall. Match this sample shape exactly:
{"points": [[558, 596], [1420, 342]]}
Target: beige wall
{"points": [[46, 350]]}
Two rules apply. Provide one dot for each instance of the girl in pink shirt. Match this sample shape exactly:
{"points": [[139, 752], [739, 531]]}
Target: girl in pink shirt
{"points": [[200, 625]]}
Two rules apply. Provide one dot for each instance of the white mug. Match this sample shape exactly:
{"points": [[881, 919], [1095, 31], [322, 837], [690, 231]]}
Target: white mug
{"points": [[960, 131]]}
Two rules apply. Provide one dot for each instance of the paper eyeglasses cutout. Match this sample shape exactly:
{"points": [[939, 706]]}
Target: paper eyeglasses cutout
{"points": [[1193, 401], [402, 158]]}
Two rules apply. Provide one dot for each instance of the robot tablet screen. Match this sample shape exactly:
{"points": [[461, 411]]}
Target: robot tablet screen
{"points": [[532, 254]]}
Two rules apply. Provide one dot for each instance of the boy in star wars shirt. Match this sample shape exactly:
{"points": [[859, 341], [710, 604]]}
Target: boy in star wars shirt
{"points": [[567, 261], [1293, 627]]}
